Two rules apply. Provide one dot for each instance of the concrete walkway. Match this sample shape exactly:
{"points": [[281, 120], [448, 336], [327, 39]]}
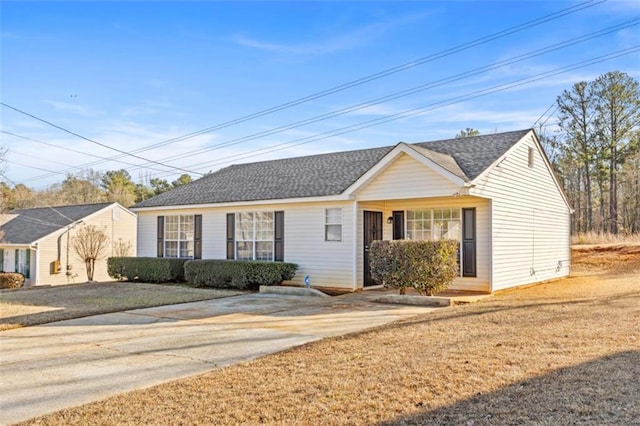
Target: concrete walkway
{"points": [[49, 367]]}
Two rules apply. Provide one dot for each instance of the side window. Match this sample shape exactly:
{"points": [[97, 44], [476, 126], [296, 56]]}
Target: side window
{"points": [[333, 225]]}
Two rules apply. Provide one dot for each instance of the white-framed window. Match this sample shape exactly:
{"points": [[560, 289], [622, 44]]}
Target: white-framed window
{"points": [[433, 224], [333, 224], [179, 236], [254, 236], [23, 262]]}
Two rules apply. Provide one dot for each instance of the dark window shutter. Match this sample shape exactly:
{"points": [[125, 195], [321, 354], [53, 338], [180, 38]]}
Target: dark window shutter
{"points": [[398, 225], [278, 240], [17, 259], [469, 242], [160, 231], [197, 236], [231, 234], [27, 272]]}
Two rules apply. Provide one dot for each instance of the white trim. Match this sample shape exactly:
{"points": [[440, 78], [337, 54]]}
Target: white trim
{"points": [[490, 233], [386, 161], [33, 246], [355, 245], [339, 197]]}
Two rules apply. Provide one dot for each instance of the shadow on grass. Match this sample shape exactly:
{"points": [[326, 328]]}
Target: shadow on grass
{"points": [[603, 391]]}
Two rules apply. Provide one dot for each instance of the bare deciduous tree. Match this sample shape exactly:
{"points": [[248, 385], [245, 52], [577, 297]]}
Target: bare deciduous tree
{"points": [[89, 244]]}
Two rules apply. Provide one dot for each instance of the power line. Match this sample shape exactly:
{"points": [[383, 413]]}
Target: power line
{"points": [[372, 77], [413, 90], [70, 150], [93, 141], [426, 108], [543, 114]]}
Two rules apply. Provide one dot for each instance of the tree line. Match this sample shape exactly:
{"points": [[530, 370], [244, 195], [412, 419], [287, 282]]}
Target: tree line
{"points": [[87, 187], [596, 153]]}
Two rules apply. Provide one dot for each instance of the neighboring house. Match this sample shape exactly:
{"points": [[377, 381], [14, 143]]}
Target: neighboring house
{"points": [[38, 242], [496, 194]]}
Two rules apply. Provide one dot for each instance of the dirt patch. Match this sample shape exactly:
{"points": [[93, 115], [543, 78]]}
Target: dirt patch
{"points": [[20, 308], [563, 352], [605, 259]]}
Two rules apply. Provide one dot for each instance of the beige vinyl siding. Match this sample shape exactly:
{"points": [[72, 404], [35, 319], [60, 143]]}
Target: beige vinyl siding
{"points": [[531, 231], [483, 232], [406, 178], [124, 227], [328, 263]]}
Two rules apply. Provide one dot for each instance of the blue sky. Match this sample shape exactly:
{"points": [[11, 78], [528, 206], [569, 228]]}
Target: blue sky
{"points": [[132, 74]]}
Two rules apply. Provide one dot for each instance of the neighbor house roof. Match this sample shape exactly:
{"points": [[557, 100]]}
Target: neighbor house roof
{"points": [[29, 225], [329, 174]]}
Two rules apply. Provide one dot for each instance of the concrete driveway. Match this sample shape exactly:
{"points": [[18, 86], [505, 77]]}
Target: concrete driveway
{"points": [[49, 367]]}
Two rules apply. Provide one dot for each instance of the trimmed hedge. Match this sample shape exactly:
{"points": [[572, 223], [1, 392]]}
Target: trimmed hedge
{"points": [[11, 280], [426, 266], [146, 269], [238, 274]]}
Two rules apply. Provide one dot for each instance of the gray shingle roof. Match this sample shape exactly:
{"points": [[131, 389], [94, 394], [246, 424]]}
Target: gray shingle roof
{"points": [[32, 224], [328, 174]]}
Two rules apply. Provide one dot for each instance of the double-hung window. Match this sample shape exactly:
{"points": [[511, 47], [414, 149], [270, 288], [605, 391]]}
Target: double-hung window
{"points": [[333, 225], [433, 224], [179, 236], [254, 235]]}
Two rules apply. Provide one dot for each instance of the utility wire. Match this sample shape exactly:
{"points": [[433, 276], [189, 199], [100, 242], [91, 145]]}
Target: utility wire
{"points": [[410, 91], [71, 168], [93, 141], [426, 108], [372, 77], [413, 90], [543, 114]]}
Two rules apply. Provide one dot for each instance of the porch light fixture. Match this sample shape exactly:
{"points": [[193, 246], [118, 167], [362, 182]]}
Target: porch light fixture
{"points": [[390, 220]]}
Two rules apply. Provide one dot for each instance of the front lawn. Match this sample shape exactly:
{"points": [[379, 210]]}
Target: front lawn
{"points": [[566, 352], [24, 307]]}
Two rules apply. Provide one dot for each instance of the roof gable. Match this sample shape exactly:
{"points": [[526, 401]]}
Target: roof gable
{"points": [[330, 174], [30, 225]]}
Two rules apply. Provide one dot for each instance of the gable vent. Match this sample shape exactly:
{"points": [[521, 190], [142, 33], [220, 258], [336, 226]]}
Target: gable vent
{"points": [[531, 157]]}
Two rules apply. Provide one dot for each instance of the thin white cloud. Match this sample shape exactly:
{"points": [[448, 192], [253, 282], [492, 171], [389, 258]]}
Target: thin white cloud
{"points": [[74, 108], [360, 36]]}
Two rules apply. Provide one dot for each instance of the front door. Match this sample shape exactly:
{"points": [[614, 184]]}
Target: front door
{"points": [[372, 232]]}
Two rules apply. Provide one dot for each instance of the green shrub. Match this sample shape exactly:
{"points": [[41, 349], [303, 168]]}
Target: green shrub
{"points": [[238, 274], [146, 269], [11, 280], [426, 266]]}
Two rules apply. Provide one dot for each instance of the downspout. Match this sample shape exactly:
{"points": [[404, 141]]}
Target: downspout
{"points": [[67, 232]]}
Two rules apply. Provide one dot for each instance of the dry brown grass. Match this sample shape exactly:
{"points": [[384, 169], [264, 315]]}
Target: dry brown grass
{"points": [[604, 238], [19, 308], [565, 352]]}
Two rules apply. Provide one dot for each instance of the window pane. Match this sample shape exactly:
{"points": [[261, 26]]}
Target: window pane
{"points": [[453, 231], [333, 216], [244, 226], [186, 249], [171, 228], [333, 233], [170, 249], [264, 250], [186, 227], [264, 226], [244, 250]]}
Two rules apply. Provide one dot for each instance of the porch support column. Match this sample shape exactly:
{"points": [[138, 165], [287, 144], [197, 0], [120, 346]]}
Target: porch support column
{"points": [[355, 244]]}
